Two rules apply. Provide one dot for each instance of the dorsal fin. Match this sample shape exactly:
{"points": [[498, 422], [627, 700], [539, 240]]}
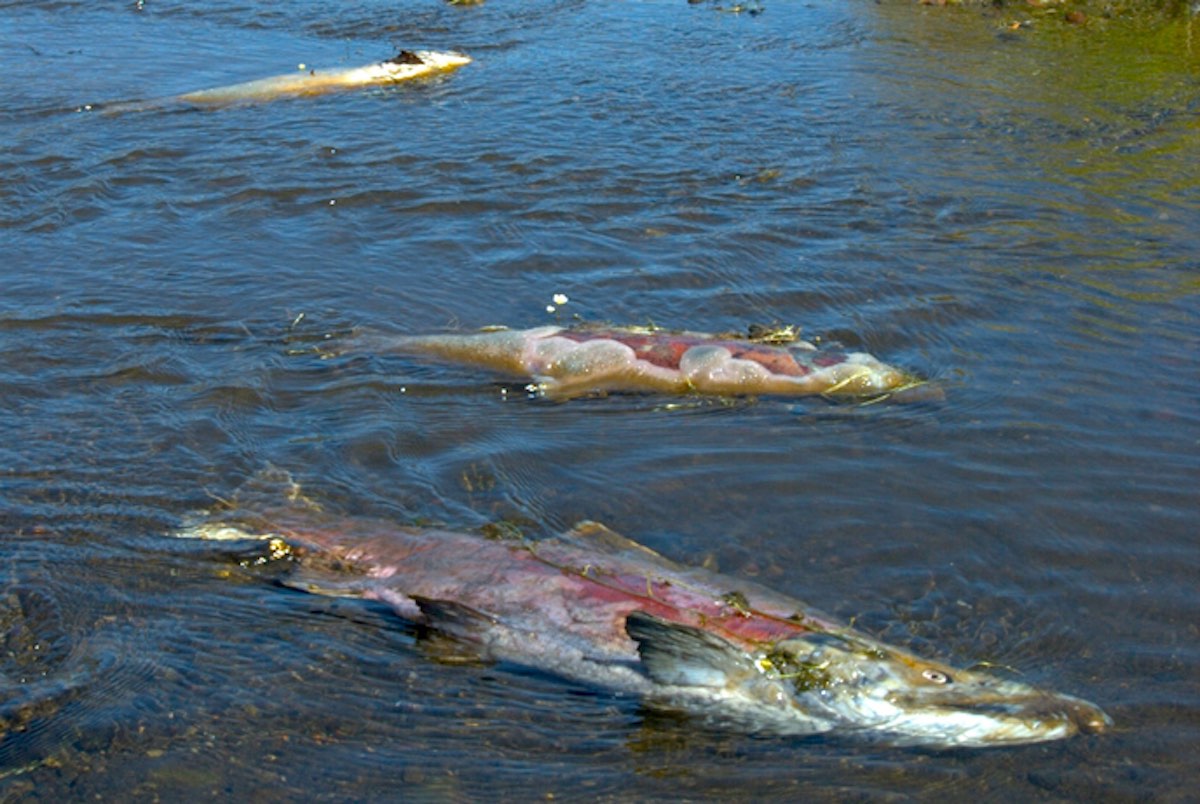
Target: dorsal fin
{"points": [[684, 656], [601, 539]]}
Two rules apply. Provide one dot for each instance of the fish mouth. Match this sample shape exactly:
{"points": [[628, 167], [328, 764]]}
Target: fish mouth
{"points": [[1040, 719], [994, 720]]}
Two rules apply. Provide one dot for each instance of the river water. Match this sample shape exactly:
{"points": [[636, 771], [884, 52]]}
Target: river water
{"points": [[1011, 213]]}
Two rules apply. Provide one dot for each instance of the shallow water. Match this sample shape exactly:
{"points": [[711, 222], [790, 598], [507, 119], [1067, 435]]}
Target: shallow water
{"points": [[1011, 213]]}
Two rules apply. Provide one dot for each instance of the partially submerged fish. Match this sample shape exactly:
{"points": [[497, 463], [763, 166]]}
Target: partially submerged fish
{"points": [[405, 66], [598, 608], [568, 362]]}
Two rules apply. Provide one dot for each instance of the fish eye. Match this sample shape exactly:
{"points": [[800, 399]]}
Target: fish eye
{"points": [[936, 676]]}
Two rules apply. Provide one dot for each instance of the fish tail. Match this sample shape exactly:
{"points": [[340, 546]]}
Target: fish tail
{"points": [[259, 510], [499, 349]]}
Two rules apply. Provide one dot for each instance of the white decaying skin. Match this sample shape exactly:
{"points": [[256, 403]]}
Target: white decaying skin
{"points": [[319, 81], [562, 366]]}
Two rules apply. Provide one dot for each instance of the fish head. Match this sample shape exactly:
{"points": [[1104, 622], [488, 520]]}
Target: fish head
{"points": [[407, 61], [840, 681], [862, 374], [857, 683]]}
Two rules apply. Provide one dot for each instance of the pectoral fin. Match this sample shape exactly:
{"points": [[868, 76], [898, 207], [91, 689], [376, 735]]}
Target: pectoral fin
{"points": [[455, 619], [456, 633], [682, 655]]}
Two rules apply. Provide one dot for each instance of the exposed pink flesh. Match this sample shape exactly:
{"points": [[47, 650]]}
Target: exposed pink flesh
{"points": [[570, 362], [665, 349]]}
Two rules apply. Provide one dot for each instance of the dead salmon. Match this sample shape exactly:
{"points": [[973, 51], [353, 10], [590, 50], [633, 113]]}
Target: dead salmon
{"points": [[405, 66], [598, 608], [569, 362]]}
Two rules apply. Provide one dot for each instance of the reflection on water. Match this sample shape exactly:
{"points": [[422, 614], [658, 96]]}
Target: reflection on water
{"points": [[1011, 213]]}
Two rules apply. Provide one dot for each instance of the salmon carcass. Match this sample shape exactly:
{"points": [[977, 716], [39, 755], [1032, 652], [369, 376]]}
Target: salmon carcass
{"points": [[567, 362], [600, 609]]}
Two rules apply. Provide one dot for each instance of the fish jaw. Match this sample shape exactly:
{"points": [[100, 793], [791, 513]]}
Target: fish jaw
{"points": [[859, 684], [1019, 717]]}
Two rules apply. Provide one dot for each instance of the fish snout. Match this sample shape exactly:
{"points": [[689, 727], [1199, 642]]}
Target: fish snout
{"points": [[443, 60], [1088, 718], [1078, 714], [1049, 713]]}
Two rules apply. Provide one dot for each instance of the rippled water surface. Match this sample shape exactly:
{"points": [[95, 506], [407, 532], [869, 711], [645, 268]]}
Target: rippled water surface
{"points": [[1011, 213]]}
